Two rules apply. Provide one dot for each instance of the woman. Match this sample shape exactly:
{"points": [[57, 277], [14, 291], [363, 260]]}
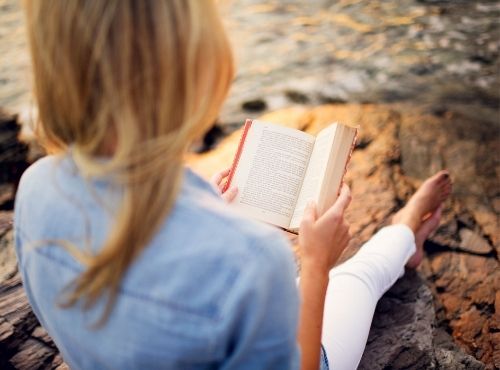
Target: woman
{"points": [[131, 261]]}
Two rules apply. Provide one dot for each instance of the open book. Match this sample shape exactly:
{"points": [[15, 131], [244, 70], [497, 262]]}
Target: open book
{"points": [[278, 170]]}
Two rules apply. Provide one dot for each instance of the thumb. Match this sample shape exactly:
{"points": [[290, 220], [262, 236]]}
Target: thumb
{"points": [[230, 194], [343, 200], [309, 215]]}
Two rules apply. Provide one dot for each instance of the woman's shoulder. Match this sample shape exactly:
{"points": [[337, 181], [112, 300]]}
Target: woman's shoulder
{"points": [[35, 184], [39, 171]]}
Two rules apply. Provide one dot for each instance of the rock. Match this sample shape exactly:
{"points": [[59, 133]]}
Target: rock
{"points": [[466, 285], [403, 334], [256, 105], [402, 331], [449, 356], [18, 321], [62, 366], [474, 242], [24, 344], [429, 143], [296, 96], [210, 139], [13, 157], [8, 263], [461, 268], [456, 360], [33, 355]]}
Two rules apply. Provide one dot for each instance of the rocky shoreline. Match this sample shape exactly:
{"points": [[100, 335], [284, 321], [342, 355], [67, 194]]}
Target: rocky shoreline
{"points": [[443, 317], [422, 79]]}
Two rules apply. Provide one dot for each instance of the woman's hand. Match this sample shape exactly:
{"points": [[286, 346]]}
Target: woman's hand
{"points": [[218, 183], [323, 239]]}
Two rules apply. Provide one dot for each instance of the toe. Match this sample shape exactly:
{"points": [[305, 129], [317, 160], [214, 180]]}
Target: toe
{"points": [[431, 223], [443, 176]]}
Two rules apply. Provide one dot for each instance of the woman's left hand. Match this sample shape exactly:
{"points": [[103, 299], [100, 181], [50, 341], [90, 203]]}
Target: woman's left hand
{"points": [[217, 180]]}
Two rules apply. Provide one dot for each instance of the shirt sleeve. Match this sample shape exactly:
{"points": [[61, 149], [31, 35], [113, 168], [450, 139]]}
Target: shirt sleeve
{"points": [[265, 308]]}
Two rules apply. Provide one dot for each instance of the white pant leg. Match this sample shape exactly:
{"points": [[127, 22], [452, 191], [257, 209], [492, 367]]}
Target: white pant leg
{"points": [[354, 290]]}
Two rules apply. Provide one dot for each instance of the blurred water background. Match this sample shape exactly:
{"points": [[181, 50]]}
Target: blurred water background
{"points": [[433, 52]]}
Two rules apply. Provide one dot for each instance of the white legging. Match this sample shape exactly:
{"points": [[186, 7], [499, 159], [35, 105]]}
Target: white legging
{"points": [[354, 290]]}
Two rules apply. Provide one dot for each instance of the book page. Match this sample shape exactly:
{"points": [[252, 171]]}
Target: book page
{"points": [[270, 172], [311, 187], [342, 147]]}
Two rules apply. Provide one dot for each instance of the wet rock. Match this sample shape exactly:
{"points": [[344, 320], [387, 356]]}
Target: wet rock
{"points": [[13, 153], [210, 139], [424, 69], [256, 105], [296, 97]]}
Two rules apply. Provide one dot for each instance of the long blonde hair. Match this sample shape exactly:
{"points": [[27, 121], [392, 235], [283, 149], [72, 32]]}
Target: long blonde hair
{"points": [[136, 81]]}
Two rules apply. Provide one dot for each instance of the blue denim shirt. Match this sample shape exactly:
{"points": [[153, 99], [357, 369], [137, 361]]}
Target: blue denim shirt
{"points": [[211, 290]]}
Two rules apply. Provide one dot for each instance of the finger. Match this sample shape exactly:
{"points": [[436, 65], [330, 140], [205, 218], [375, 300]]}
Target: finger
{"points": [[345, 228], [345, 241], [344, 237], [217, 178], [230, 194], [347, 225], [290, 236], [341, 230], [438, 212], [443, 175], [341, 203], [225, 172], [309, 215]]}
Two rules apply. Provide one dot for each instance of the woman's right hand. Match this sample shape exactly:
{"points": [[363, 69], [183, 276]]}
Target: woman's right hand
{"points": [[322, 239]]}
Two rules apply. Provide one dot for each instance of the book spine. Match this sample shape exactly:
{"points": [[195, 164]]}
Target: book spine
{"points": [[348, 160], [246, 128]]}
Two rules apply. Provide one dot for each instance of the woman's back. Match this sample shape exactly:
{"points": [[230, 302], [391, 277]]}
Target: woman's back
{"points": [[211, 289]]}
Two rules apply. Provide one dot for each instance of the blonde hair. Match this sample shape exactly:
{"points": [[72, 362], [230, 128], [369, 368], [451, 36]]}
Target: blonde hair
{"points": [[136, 81]]}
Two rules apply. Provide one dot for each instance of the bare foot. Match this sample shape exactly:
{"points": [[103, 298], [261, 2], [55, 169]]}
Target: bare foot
{"points": [[423, 211], [425, 201], [428, 226]]}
